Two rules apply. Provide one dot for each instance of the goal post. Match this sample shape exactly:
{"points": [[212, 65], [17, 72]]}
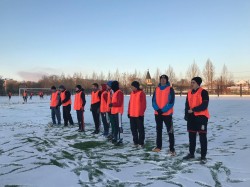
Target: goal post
{"points": [[35, 92]]}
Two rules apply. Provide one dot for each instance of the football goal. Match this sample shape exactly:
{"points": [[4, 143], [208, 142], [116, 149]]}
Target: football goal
{"points": [[32, 92]]}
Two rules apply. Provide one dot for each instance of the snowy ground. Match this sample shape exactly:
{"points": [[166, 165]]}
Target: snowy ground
{"points": [[33, 154]]}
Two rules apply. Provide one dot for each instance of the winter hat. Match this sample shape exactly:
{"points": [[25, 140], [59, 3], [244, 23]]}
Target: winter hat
{"points": [[53, 88], [115, 85], [164, 77], [96, 85], [79, 87], [62, 87], [136, 84], [109, 83], [104, 87], [198, 80]]}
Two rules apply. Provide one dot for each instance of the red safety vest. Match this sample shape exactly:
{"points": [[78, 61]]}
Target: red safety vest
{"points": [[135, 104], [103, 106], [109, 101], [78, 101], [54, 99], [63, 96], [116, 110], [195, 100], [161, 97], [95, 97]]}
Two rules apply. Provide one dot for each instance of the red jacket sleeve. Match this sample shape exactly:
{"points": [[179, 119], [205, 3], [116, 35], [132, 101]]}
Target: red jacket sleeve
{"points": [[143, 103]]}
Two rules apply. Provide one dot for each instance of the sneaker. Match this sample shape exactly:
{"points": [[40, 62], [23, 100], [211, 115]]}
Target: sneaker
{"points": [[140, 146], [172, 153], [156, 150], [203, 160], [189, 156], [114, 141]]}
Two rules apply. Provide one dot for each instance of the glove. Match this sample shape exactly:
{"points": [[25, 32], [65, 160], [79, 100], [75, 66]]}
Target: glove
{"points": [[159, 112], [110, 105], [128, 116]]}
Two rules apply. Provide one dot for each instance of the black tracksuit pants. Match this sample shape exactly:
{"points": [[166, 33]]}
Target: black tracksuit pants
{"points": [[137, 129], [80, 119], [197, 124], [159, 119], [67, 115], [105, 122], [96, 117]]}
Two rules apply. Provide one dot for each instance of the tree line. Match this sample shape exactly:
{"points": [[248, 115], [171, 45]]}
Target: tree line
{"points": [[210, 80]]}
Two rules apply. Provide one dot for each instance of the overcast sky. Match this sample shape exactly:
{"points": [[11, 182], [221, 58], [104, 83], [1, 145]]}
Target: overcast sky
{"points": [[53, 36]]}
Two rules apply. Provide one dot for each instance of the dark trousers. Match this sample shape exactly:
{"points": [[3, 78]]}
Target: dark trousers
{"points": [[56, 114], [111, 123], [105, 122], [67, 115], [159, 119], [197, 125], [137, 129], [96, 117], [80, 119], [117, 120], [203, 142]]}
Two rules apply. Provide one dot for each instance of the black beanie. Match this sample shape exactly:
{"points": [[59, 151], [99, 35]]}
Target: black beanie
{"points": [[198, 80], [115, 86], [136, 84], [61, 87], [79, 87], [164, 76], [53, 88]]}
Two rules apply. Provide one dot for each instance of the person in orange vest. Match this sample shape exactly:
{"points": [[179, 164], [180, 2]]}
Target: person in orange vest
{"points": [[110, 117], [31, 94], [95, 106], [79, 104], [117, 108], [163, 104], [55, 106], [197, 115], [65, 96], [25, 96], [9, 94], [104, 110], [136, 109]]}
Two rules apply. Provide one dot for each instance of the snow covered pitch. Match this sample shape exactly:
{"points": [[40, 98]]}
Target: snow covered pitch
{"points": [[33, 154]]}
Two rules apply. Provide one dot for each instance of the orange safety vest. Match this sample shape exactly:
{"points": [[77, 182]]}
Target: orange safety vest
{"points": [[78, 101], [134, 104], [24, 94], [116, 110], [195, 100], [109, 101], [162, 99], [95, 97], [63, 96], [103, 106], [54, 99]]}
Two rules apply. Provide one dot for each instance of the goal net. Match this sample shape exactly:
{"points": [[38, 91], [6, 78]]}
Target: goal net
{"points": [[34, 94]]}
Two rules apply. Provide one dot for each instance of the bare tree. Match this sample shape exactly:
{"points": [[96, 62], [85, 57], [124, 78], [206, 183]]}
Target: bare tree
{"points": [[157, 75], [209, 73], [193, 71], [226, 76], [171, 75], [117, 75]]}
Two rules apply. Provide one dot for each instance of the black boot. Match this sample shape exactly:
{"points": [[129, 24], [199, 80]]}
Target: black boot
{"points": [[189, 156]]}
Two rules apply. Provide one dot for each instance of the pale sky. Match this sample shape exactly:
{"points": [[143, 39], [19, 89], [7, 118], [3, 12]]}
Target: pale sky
{"points": [[61, 36]]}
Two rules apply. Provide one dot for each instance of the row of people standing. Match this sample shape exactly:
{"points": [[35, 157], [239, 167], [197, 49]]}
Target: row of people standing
{"points": [[109, 104]]}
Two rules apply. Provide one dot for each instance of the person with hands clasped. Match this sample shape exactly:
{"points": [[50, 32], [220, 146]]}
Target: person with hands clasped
{"points": [[136, 109], [79, 104], [197, 115], [163, 104]]}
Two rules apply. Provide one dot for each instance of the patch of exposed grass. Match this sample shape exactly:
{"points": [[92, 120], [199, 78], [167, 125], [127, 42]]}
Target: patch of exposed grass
{"points": [[72, 137], [68, 155], [88, 145]]}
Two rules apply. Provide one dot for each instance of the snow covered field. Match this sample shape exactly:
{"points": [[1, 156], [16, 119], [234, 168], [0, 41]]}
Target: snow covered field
{"points": [[33, 154]]}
